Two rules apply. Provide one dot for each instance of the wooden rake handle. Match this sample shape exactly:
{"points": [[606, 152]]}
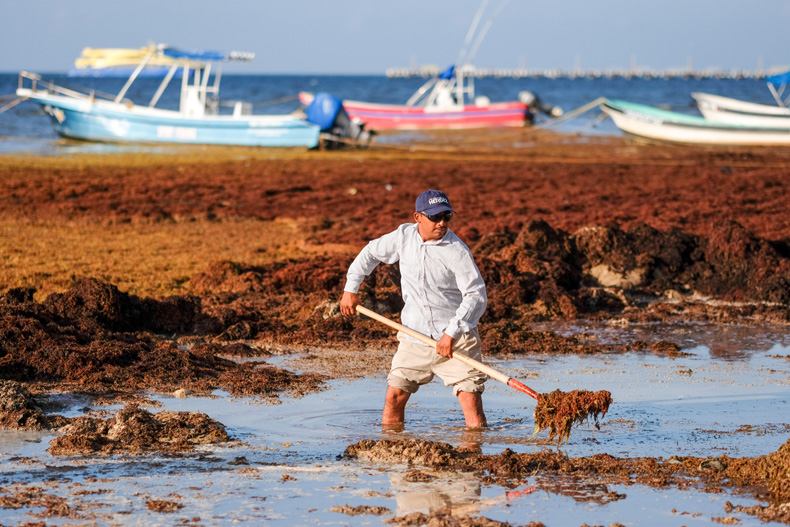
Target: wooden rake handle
{"points": [[479, 366]]}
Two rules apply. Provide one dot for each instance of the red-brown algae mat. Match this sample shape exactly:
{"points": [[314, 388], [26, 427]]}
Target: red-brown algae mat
{"points": [[170, 350]]}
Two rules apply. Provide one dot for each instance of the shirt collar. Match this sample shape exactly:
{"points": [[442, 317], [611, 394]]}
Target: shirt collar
{"points": [[443, 239]]}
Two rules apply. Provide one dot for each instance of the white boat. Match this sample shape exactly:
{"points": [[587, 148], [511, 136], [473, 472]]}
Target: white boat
{"points": [[734, 111], [662, 125], [92, 116]]}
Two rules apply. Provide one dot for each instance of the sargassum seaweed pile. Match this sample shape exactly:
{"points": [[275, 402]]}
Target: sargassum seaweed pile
{"points": [[559, 411]]}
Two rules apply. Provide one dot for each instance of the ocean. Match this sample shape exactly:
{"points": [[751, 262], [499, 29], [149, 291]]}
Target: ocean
{"points": [[25, 127]]}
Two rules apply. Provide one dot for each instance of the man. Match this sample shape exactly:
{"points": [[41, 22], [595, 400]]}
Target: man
{"points": [[444, 296]]}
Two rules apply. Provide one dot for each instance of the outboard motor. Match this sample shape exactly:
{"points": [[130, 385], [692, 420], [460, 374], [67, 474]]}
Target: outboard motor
{"points": [[327, 112], [532, 100]]}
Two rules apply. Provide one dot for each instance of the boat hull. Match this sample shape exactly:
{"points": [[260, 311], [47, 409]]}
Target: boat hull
{"points": [[105, 121], [661, 125], [399, 117], [733, 111]]}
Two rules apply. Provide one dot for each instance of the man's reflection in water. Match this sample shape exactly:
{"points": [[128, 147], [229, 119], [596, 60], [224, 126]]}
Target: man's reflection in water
{"points": [[472, 440], [392, 428], [427, 491], [457, 493]]}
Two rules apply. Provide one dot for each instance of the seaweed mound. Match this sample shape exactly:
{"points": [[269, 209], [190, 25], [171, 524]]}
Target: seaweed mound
{"points": [[95, 305], [544, 273], [133, 429], [94, 338], [19, 410], [418, 452]]}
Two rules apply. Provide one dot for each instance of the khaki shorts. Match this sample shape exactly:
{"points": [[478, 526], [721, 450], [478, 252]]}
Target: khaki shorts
{"points": [[416, 364]]}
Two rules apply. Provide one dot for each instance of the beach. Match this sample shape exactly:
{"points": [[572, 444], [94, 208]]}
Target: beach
{"points": [[203, 284]]}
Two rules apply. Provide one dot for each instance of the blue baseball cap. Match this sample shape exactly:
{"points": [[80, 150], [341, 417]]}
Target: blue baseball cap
{"points": [[432, 202]]}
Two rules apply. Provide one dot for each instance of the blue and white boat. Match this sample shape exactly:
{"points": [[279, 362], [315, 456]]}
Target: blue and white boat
{"points": [[91, 116]]}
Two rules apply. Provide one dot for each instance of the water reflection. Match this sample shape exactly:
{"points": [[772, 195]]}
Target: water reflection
{"points": [[472, 440], [428, 491], [579, 489], [723, 342]]}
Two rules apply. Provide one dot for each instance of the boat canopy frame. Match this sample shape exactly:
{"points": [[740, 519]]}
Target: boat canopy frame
{"points": [[197, 98], [453, 87]]}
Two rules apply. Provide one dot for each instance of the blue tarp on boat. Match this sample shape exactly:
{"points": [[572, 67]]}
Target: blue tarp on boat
{"points": [[448, 73], [194, 55], [207, 55], [780, 79], [323, 110]]}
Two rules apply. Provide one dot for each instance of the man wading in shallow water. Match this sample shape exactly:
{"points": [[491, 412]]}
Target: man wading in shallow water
{"points": [[444, 296]]}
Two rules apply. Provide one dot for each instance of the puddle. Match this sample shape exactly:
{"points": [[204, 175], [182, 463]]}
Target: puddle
{"points": [[285, 468]]}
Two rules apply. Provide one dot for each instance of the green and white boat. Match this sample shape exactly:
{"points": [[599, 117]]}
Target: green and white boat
{"points": [[663, 125]]}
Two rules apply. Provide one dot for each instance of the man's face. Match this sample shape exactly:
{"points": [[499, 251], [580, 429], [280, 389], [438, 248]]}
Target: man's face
{"points": [[434, 227]]}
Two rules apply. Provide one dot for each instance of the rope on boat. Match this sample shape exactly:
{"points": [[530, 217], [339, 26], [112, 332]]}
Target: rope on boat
{"points": [[12, 103], [547, 124], [572, 114]]}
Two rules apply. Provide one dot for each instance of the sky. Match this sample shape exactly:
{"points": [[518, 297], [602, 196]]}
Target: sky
{"points": [[369, 36]]}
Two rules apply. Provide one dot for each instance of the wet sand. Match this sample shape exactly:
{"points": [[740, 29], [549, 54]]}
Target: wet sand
{"points": [[134, 282]]}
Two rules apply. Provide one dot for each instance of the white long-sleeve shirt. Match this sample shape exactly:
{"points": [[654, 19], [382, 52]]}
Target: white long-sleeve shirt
{"points": [[442, 288]]}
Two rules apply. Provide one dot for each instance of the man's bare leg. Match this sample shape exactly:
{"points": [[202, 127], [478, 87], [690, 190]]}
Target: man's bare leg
{"points": [[394, 406], [472, 406]]}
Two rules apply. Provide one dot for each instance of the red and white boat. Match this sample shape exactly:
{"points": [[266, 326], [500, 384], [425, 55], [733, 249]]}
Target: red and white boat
{"points": [[446, 101]]}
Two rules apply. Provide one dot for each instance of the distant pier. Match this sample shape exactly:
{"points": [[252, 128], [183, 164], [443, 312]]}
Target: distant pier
{"points": [[681, 73]]}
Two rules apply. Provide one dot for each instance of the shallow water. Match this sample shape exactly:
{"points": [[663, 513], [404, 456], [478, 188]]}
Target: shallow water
{"points": [[730, 396]]}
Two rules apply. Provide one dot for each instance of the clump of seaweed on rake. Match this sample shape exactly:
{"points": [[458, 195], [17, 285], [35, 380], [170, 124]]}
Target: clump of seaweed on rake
{"points": [[559, 411]]}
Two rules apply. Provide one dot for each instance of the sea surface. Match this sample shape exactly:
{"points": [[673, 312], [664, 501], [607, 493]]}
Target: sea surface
{"points": [[25, 127]]}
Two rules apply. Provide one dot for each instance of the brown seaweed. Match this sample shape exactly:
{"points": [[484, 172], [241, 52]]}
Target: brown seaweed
{"points": [[559, 411]]}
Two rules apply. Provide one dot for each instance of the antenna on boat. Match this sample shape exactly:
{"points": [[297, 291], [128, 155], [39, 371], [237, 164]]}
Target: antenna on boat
{"points": [[485, 29], [472, 28], [465, 57]]}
